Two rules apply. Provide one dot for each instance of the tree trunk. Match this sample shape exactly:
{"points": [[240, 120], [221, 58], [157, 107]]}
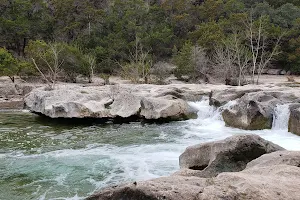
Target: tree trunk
{"points": [[12, 78]]}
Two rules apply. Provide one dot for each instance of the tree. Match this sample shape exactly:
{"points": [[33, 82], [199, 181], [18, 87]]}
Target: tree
{"points": [[233, 58], [47, 59], [8, 64], [91, 59], [182, 60], [207, 35], [260, 43], [191, 61], [22, 20], [139, 66]]}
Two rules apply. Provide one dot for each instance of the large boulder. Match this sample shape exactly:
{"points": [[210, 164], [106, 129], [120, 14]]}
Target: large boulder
{"points": [[106, 102], [254, 111], [229, 155], [272, 176], [294, 121]]}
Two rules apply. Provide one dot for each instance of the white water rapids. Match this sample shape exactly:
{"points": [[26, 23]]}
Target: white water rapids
{"points": [[126, 153]]}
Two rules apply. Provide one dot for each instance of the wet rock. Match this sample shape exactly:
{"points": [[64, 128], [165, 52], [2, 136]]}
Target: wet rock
{"points": [[294, 121], [254, 111], [272, 176], [229, 155]]}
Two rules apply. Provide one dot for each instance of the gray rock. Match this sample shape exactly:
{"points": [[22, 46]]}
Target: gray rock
{"points": [[272, 176], [24, 89], [294, 121], [254, 111], [14, 103], [8, 89], [220, 98], [283, 72], [106, 102], [229, 155], [274, 71], [291, 158]]}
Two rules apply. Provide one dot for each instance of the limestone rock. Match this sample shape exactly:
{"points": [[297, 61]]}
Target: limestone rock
{"points": [[14, 103], [229, 155], [7, 90], [254, 111], [107, 102], [291, 158], [294, 121], [220, 98], [271, 176]]}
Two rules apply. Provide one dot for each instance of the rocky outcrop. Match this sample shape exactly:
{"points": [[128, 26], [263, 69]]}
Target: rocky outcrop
{"points": [[229, 155], [254, 111], [294, 121], [11, 94], [271, 176], [109, 102], [220, 98]]}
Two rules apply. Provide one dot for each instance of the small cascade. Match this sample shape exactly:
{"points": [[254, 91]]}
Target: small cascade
{"points": [[281, 117], [206, 111]]}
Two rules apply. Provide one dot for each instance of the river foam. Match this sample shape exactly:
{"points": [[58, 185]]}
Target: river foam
{"points": [[65, 170]]}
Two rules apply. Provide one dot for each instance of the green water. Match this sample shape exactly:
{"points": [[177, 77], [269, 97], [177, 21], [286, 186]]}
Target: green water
{"points": [[40, 159]]}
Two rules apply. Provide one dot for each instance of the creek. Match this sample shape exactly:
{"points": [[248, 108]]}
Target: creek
{"points": [[44, 159]]}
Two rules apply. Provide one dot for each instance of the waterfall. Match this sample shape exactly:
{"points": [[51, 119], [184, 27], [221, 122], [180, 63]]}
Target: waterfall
{"points": [[208, 112], [281, 117]]}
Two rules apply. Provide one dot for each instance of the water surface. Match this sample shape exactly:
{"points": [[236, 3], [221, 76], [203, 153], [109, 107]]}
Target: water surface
{"points": [[42, 159]]}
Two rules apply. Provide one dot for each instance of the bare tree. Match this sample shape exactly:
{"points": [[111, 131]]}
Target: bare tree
{"points": [[241, 56], [223, 60], [232, 58], [139, 65], [49, 63], [200, 62], [259, 43], [92, 63]]}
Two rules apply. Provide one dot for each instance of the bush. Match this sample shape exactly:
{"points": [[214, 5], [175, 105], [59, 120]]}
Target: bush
{"points": [[8, 64]]}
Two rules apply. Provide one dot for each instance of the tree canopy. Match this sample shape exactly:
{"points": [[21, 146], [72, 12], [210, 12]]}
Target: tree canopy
{"points": [[108, 30]]}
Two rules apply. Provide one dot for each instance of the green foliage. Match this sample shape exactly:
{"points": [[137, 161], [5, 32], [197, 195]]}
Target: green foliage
{"points": [[108, 30], [139, 66], [208, 34], [74, 62], [182, 59], [8, 64], [57, 59]]}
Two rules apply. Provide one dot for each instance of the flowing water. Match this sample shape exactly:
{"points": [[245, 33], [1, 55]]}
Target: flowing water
{"points": [[42, 159]]}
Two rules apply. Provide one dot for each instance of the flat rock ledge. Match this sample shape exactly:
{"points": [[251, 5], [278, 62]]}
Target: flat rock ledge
{"points": [[261, 171], [115, 101]]}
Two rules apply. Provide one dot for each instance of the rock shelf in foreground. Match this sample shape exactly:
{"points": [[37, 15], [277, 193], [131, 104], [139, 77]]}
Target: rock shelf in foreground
{"points": [[273, 175]]}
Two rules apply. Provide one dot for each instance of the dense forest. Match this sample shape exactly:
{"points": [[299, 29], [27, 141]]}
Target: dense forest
{"points": [[228, 40]]}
